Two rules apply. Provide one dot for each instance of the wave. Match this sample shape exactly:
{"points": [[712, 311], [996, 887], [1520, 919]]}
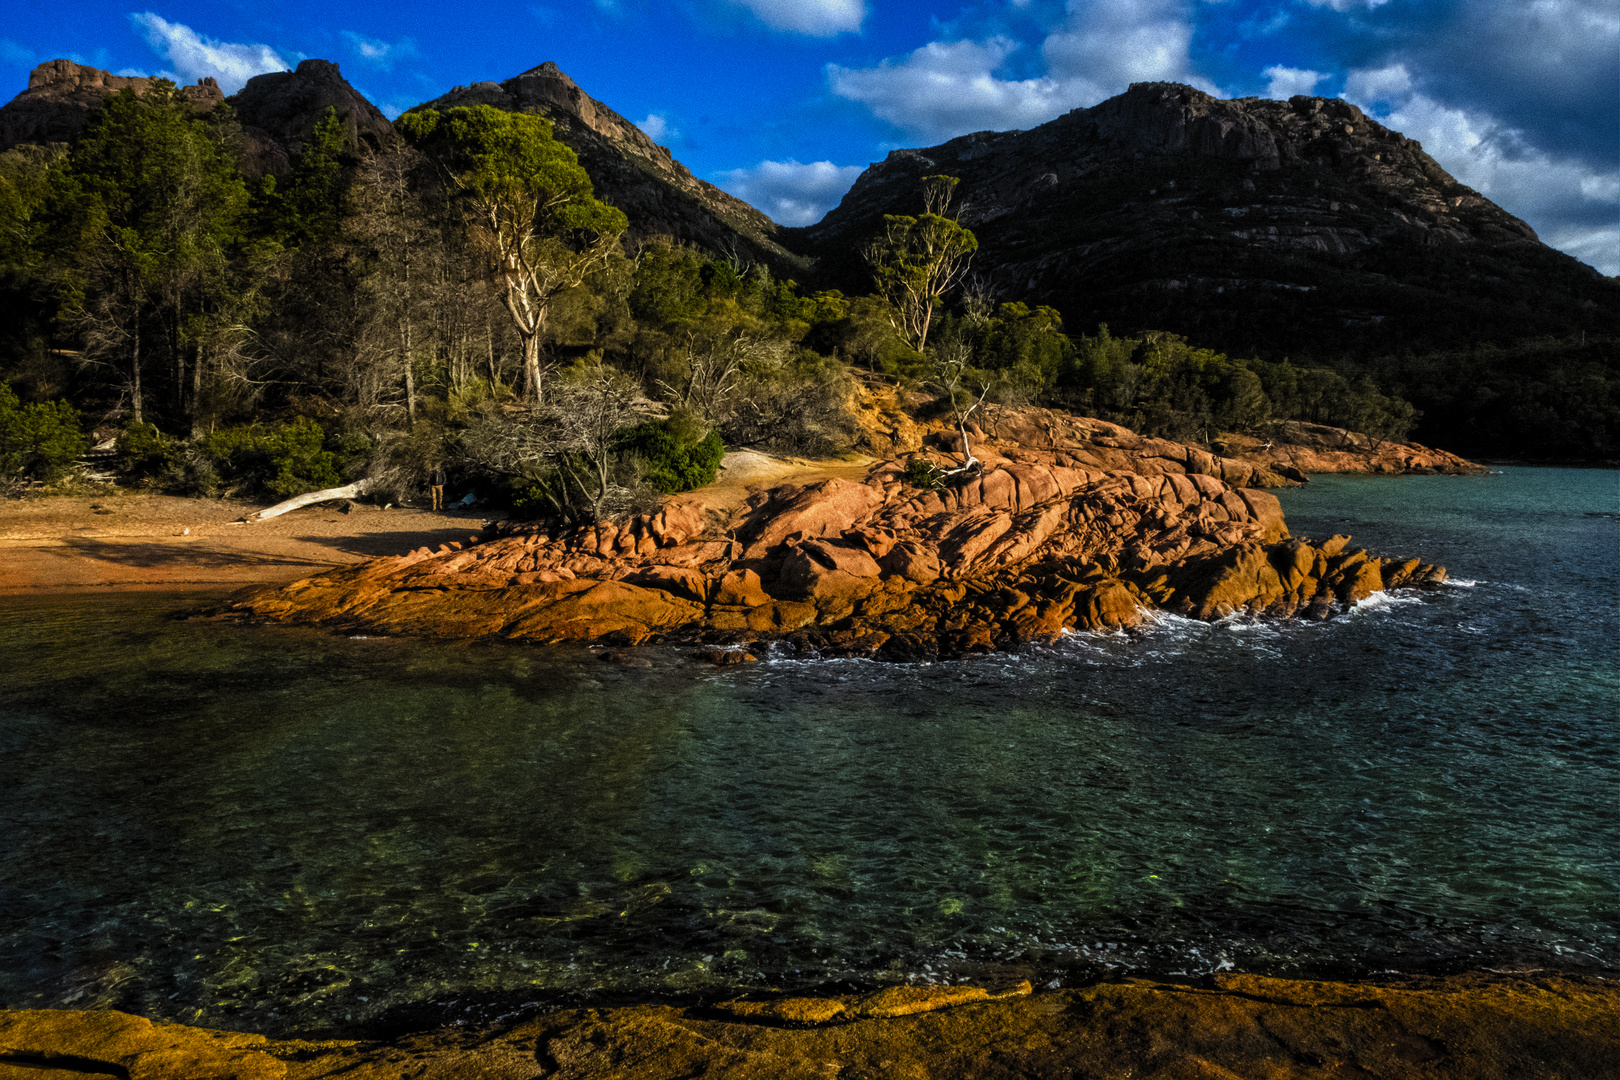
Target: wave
{"points": [[1383, 601]]}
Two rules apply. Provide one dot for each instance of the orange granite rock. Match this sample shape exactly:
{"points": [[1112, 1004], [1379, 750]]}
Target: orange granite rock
{"points": [[1065, 524]]}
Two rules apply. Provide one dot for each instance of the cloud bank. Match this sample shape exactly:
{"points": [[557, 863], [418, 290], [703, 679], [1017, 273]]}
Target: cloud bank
{"points": [[1286, 82], [1571, 204], [194, 57], [945, 89], [791, 193], [655, 127]]}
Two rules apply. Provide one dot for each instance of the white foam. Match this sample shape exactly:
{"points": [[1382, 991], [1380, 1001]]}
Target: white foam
{"points": [[1383, 601], [1460, 583]]}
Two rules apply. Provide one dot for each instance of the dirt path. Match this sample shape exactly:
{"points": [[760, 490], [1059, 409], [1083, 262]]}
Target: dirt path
{"points": [[126, 540]]}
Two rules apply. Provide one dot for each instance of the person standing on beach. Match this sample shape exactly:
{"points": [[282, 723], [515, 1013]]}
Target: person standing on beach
{"points": [[436, 486]]}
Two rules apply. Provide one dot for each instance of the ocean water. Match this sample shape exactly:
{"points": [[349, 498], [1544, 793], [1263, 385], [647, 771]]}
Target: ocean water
{"points": [[282, 830]]}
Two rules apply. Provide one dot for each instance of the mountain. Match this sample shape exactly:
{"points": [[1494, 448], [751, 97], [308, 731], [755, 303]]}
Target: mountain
{"points": [[61, 95], [629, 170], [1272, 227], [279, 110]]}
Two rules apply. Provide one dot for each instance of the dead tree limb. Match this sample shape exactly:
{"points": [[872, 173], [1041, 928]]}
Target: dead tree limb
{"points": [[348, 491]]}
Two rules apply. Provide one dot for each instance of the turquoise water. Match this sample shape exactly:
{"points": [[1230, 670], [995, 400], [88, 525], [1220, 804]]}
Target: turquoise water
{"points": [[288, 831]]}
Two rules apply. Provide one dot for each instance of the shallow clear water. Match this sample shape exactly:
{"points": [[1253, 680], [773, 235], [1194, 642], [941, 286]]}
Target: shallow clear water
{"points": [[283, 830]]}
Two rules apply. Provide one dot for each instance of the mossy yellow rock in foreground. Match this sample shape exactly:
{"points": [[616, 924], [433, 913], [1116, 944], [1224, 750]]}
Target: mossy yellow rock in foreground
{"points": [[1471, 1027]]}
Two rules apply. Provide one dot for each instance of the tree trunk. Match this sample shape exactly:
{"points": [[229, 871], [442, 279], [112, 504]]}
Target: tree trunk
{"points": [[135, 368], [489, 341], [531, 368], [410, 374], [348, 491], [196, 389]]}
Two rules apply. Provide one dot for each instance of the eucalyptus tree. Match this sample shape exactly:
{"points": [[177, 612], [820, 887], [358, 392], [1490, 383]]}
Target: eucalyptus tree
{"points": [[919, 259], [530, 207]]}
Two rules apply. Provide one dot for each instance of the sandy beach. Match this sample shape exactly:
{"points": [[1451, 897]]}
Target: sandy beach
{"points": [[124, 540]]}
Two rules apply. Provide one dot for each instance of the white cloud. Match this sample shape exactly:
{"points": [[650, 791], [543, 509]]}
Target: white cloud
{"points": [[1105, 45], [194, 57], [1287, 81], [1570, 204], [791, 193], [943, 90], [815, 18], [380, 54], [946, 89], [655, 127]]}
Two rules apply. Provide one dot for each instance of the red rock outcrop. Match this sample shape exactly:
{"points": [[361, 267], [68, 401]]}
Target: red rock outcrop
{"points": [[1297, 448], [1067, 524]]}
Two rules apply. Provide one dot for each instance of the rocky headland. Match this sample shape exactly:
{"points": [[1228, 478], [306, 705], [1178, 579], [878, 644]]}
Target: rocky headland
{"points": [[1066, 523], [1470, 1027]]}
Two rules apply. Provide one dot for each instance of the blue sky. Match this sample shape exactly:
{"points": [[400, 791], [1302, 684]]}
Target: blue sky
{"points": [[783, 102]]}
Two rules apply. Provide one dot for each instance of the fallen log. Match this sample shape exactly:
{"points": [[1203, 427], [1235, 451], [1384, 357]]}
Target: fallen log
{"points": [[348, 491]]}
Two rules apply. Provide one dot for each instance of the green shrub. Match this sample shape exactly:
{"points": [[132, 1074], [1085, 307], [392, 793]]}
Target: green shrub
{"points": [[144, 451], [281, 459], [922, 473], [37, 441], [677, 453]]}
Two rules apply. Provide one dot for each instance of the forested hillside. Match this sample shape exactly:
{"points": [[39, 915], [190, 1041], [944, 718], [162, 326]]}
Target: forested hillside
{"points": [[320, 297]]}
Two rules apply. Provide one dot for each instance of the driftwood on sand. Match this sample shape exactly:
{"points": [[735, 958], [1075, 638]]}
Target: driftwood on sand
{"points": [[347, 491]]}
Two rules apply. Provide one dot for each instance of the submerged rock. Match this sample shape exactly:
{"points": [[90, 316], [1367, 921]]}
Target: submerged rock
{"points": [[1067, 524]]}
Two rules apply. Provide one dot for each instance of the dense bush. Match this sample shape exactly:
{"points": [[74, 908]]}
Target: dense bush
{"points": [[676, 454], [37, 441], [144, 452], [1159, 384], [277, 459]]}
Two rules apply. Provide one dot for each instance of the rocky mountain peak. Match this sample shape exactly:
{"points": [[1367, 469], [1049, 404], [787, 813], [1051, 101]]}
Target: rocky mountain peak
{"points": [[628, 169], [1249, 224], [280, 109], [547, 90], [61, 95]]}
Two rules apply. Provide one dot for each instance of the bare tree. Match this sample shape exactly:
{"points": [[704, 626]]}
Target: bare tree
{"points": [[573, 437], [715, 368], [951, 371], [392, 222]]}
